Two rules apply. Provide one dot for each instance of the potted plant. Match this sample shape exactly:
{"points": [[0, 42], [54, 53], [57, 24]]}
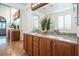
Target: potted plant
{"points": [[45, 25], [13, 26]]}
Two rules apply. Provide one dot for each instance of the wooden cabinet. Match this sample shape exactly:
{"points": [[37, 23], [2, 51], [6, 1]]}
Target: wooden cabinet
{"points": [[14, 34], [25, 46], [40, 46], [64, 49], [35, 46], [29, 43], [45, 47], [78, 50]]}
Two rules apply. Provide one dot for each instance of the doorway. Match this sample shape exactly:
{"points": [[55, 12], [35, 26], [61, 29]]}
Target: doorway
{"points": [[4, 21], [2, 32]]}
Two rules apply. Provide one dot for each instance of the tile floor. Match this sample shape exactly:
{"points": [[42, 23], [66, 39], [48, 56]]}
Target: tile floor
{"points": [[15, 49]]}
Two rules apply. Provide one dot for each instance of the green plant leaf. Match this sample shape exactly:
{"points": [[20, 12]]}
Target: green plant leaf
{"points": [[45, 24], [48, 24]]}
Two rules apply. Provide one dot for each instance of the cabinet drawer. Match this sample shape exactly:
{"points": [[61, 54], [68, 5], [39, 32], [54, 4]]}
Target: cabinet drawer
{"points": [[35, 51], [35, 44], [35, 39]]}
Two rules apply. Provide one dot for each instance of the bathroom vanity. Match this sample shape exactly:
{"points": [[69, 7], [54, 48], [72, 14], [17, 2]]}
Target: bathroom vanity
{"points": [[36, 44]]}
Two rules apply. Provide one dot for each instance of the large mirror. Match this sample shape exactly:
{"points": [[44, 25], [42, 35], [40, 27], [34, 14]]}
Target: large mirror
{"points": [[63, 17]]}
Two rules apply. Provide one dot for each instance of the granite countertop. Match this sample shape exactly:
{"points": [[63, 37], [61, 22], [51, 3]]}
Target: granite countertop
{"points": [[65, 38]]}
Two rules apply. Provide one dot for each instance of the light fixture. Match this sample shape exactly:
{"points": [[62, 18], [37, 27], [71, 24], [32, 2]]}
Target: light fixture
{"points": [[37, 5], [34, 4]]}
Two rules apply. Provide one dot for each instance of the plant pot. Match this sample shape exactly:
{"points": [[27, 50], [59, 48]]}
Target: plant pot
{"points": [[44, 31]]}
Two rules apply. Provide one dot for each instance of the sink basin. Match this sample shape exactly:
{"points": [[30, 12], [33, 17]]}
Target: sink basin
{"points": [[60, 37], [56, 37], [33, 33]]}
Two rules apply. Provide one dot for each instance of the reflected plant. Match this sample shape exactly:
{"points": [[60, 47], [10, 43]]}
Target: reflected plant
{"points": [[45, 24], [13, 26], [48, 24]]}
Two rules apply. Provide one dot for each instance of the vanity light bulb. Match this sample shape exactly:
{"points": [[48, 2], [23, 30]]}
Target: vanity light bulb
{"points": [[35, 4]]}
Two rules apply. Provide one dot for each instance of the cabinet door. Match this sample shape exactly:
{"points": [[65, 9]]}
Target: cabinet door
{"points": [[59, 48], [64, 49], [35, 46], [45, 47], [78, 49], [53, 48], [25, 42], [29, 44], [15, 35], [69, 49]]}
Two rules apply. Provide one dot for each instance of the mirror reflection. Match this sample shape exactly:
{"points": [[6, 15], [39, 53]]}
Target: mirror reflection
{"points": [[62, 17]]}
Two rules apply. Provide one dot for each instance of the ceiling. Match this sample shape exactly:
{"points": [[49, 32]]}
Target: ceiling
{"points": [[21, 6], [47, 9], [54, 7]]}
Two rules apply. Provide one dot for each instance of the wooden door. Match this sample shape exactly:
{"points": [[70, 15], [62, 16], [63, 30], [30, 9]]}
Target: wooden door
{"points": [[69, 49], [64, 49], [45, 47], [59, 48], [29, 44], [53, 48]]}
